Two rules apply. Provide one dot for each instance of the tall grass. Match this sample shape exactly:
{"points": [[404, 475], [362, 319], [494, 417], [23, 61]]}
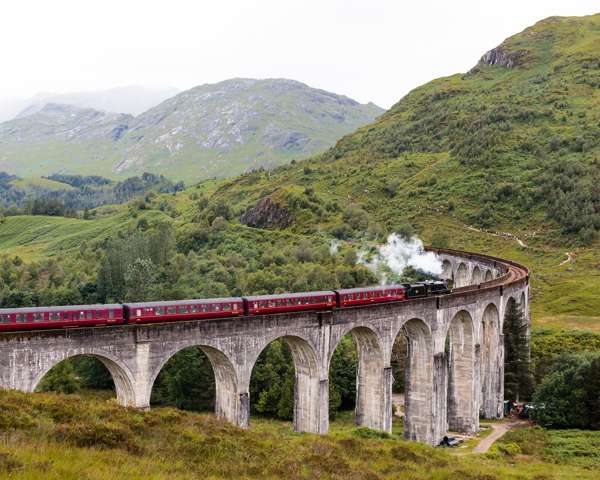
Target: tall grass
{"points": [[69, 437]]}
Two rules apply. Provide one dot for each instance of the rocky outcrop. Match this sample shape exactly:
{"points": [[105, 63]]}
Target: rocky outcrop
{"points": [[267, 214], [502, 57]]}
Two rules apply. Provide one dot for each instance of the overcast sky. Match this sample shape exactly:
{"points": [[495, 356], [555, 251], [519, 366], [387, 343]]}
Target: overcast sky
{"points": [[370, 50]]}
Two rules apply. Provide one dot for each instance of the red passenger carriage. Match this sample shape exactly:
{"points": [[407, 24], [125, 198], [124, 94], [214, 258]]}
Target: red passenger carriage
{"points": [[290, 302], [366, 295], [59, 317], [183, 310]]}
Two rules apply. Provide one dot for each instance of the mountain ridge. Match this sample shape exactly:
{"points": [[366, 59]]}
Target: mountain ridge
{"points": [[210, 130]]}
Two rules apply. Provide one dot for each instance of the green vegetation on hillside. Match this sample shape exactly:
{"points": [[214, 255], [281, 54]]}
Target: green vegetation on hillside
{"points": [[569, 396], [66, 195], [70, 437]]}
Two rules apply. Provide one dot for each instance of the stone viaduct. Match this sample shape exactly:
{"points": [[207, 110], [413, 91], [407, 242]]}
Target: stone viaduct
{"points": [[454, 365]]}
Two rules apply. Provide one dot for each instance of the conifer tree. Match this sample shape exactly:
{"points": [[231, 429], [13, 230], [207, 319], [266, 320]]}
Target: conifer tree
{"points": [[517, 364]]}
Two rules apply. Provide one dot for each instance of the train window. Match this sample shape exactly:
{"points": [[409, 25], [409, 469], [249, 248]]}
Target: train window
{"points": [[111, 314], [5, 318], [38, 317], [235, 306], [194, 308], [20, 317], [65, 315], [138, 312], [255, 304], [204, 308], [171, 310], [217, 307], [226, 306], [54, 316], [89, 315], [159, 311], [82, 315], [183, 309]]}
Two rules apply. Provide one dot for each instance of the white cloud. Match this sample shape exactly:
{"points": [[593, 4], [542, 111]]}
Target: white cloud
{"points": [[370, 50]]}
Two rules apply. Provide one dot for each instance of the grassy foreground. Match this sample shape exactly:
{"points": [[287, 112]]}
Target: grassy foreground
{"points": [[70, 437]]}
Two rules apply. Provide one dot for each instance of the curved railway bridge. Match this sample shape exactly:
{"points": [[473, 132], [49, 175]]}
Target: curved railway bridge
{"points": [[454, 355]]}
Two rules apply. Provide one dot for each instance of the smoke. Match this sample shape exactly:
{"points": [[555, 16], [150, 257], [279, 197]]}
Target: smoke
{"points": [[389, 261], [334, 247]]}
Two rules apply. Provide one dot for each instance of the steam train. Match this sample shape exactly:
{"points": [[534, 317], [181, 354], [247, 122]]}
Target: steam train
{"points": [[35, 318]]}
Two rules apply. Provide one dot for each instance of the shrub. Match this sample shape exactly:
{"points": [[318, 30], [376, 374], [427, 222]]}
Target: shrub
{"points": [[365, 432], [509, 449], [8, 463], [60, 379], [569, 396], [97, 434]]}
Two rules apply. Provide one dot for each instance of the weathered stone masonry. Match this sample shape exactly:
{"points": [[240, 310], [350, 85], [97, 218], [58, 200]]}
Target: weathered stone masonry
{"points": [[454, 365]]}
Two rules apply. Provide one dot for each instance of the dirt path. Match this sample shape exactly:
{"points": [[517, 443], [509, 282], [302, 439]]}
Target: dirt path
{"points": [[500, 234], [499, 429], [569, 258]]}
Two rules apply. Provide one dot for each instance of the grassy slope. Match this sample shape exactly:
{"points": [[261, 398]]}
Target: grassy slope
{"points": [[32, 183], [34, 237], [50, 436]]}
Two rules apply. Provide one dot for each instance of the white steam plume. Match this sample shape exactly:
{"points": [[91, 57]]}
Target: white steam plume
{"points": [[397, 254]]}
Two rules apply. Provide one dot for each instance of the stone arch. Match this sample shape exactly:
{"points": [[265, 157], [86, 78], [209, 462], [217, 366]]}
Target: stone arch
{"points": [[490, 362], [461, 374], [120, 373], [461, 278], [476, 276], [418, 424], [226, 384], [447, 269], [370, 379], [489, 276], [307, 385]]}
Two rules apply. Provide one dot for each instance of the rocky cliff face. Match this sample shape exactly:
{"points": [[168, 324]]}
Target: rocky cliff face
{"points": [[500, 56], [267, 214]]}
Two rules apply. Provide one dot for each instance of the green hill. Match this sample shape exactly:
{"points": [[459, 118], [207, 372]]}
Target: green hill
{"points": [[514, 143]]}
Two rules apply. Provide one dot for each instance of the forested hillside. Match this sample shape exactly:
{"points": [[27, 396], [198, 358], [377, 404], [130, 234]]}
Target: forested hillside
{"points": [[70, 195]]}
